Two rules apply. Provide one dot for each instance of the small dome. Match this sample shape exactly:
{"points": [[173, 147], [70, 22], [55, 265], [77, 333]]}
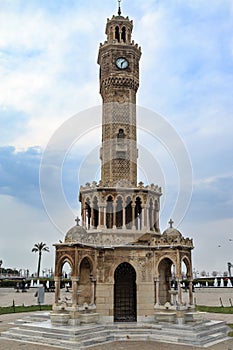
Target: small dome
{"points": [[76, 233], [172, 232]]}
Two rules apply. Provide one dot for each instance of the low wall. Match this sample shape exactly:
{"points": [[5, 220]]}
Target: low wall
{"points": [[218, 290]]}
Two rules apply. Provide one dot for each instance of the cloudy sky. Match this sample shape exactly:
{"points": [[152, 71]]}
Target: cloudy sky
{"points": [[48, 70]]}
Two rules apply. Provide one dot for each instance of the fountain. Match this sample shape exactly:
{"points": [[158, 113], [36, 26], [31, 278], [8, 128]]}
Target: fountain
{"points": [[215, 282], [229, 284]]}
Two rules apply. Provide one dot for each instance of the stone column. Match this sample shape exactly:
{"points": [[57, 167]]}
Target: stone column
{"points": [[124, 215], [100, 217], [157, 219], [147, 218], [179, 291], [191, 292], [114, 215], [93, 290], [57, 281], [84, 218], [157, 302], [143, 218], [92, 217], [104, 216], [74, 290], [133, 217]]}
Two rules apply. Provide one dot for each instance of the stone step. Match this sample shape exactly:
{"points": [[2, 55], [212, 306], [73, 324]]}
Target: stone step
{"points": [[86, 336], [50, 334]]}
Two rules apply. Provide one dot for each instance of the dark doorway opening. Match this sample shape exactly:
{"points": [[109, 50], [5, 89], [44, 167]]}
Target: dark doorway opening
{"points": [[125, 298]]}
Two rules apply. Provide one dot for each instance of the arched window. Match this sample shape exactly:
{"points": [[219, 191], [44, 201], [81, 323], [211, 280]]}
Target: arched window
{"points": [[121, 134], [88, 213], [123, 34], [119, 213], [151, 219], [128, 213], [117, 34], [120, 137], [95, 213], [138, 212], [109, 212]]}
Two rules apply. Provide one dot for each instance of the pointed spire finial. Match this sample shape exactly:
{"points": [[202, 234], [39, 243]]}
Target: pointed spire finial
{"points": [[119, 7]]}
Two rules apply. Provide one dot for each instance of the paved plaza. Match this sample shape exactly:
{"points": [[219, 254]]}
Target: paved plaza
{"points": [[202, 297]]}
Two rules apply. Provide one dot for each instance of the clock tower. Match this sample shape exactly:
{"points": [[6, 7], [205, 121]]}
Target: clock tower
{"points": [[118, 204], [122, 266], [119, 81]]}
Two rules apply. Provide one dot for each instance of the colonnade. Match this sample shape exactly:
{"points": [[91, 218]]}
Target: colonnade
{"points": [[119, 214]]}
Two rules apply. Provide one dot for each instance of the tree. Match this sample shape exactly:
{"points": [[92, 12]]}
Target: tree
{"points": [[39, 247]]}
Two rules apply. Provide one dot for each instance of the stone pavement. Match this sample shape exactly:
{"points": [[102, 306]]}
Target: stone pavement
{"points": [[28, 298]]}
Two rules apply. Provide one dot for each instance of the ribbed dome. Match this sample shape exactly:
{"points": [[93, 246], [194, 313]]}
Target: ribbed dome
{"points": [[75, 234]]}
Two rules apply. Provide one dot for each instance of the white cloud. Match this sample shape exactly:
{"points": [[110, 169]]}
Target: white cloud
{"points": [[44, 71]]}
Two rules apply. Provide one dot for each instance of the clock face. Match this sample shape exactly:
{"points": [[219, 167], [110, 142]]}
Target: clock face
{"points": [[122, 63]]}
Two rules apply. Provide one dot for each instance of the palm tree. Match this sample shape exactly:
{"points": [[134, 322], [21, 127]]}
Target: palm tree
{"points": [[40, 247]]}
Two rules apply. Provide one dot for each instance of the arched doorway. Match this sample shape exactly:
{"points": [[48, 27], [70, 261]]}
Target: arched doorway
{"points": [[165, 279], [85, 282], [125, 297]]}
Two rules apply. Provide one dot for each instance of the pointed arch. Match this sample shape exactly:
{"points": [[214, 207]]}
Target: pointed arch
{"points": [[128, 212], [85, 273], [117, 34], [109, 212], [61, 262], [138, 213], [123, 34], [95, 213], [188, 266], [125, 295], [165, 277], [88, 213], [119, 212], [151, 221]]}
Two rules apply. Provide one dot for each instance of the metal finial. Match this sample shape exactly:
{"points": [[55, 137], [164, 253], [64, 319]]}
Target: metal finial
{"points": [[171, 223], [119, 7], [77, 220]]}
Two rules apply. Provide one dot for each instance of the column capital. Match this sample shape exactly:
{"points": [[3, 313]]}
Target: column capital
{"points": [[74, 279]]}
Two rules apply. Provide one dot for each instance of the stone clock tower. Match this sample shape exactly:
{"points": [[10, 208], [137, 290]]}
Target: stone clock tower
{"points": [[118, 209], [122, 266], [119, 81]]}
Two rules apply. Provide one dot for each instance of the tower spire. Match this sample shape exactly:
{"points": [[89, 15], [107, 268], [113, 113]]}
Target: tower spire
{"points": [[119, 7]]}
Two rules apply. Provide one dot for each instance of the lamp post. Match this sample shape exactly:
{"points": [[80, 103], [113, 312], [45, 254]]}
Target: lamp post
{"points": [[0, 268]]}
